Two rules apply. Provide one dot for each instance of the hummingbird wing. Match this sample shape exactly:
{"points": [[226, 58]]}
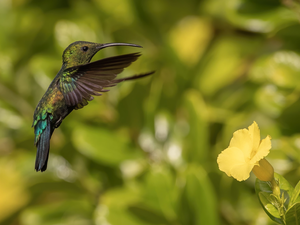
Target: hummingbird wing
{"points": [[79, 83]]}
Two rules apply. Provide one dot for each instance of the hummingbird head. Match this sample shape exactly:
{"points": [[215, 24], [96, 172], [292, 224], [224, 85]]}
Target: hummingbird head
{"points": [[81, 52]]}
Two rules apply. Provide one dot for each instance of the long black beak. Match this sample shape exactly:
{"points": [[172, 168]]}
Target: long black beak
{"points": [[101, 46]]}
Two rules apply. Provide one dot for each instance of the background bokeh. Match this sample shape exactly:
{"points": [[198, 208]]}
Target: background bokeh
{"points": [[145, 153]]}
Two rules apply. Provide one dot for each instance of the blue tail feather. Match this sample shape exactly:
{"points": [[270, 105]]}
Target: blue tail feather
{"points": [[43, 147]]}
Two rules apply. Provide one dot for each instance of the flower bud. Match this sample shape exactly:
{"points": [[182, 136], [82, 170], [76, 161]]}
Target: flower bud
{"points": [[264, 171]]}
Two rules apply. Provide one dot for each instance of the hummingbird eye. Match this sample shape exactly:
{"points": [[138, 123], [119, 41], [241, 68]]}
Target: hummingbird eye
{"points": [[85, 48]]}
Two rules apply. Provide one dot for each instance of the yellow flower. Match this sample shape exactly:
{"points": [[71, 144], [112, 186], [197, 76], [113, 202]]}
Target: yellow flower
{"points": [[244, 152]]}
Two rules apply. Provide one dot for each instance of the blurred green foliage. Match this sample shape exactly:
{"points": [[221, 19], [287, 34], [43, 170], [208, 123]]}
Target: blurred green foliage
{"points": [[145, 153]]}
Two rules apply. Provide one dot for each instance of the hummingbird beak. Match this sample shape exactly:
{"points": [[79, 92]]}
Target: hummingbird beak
{"points": [[101, 46]]}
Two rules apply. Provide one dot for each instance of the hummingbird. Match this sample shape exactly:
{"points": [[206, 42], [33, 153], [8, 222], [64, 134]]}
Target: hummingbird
{"points": [[75, 84]]}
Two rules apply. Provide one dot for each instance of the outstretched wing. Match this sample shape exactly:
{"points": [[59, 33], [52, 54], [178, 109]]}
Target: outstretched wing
{"points": [[79, 83]]}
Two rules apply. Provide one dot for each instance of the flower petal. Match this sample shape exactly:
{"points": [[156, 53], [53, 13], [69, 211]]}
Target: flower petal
{"points": [[263, 149], [255, 133], [242, 172], [233, 162], [242, 140]]}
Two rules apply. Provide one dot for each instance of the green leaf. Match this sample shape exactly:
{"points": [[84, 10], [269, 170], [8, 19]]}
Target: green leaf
{"points": [[224, 63], [279, 68], [64, 212], [198, 203], [116, 216], [103, 145], [196, 144], [130, 195], [255, 15], [295, 196], [284, 185], [292, 216], [160, 192], [147, 215], [153, 202], [267, 199]]}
